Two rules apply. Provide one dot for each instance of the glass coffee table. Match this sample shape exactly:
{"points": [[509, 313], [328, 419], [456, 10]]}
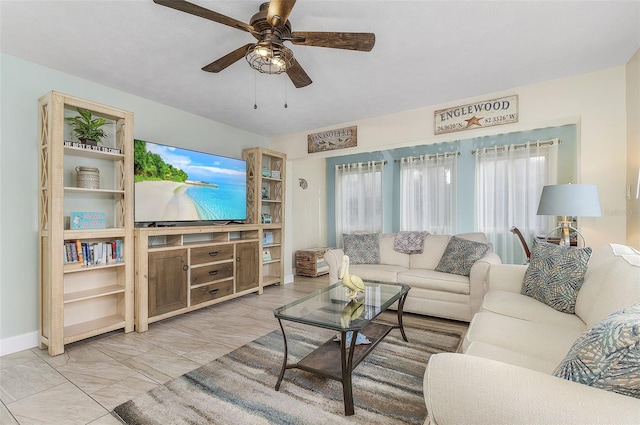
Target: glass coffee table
{"points": [[353, 320]]}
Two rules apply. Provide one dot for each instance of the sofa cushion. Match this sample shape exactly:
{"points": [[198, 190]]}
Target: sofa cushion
{"points": [[523, 307], [607, 356], [610, 283], [430, 279], [362, 248], [379, 272], [555, 275], [434, 246], [545, 341], [388, 255], [493, 352], [459, 256]]}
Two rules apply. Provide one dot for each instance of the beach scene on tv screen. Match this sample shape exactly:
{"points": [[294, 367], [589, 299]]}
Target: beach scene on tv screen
{"points": [[173, 184]]}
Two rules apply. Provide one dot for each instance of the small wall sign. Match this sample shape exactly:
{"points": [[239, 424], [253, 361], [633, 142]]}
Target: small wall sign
{"points": [[87, 220], [476, 115], [333, 139]]}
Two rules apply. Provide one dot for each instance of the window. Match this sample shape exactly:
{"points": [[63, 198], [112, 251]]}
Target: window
{"points": [[428, 193], [509, 181], [358, 198]]}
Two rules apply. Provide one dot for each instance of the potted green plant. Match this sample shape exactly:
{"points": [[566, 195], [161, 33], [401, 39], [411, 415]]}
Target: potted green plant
{"points": [[87, 128]]}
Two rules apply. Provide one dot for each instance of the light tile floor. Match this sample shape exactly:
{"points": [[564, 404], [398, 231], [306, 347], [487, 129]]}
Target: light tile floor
{"points": [[85, 383]]}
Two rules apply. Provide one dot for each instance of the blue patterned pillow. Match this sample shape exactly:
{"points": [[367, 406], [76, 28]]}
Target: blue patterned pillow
{"points": [[460, 255], [362, 249], [607, 356], [555, 275]]}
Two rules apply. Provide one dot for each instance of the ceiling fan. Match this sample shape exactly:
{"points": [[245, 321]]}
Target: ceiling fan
{"points": [[271, 27]]}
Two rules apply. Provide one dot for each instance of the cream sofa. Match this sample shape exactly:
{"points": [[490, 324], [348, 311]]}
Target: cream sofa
{"points": [[515, 343], [433, 293]]}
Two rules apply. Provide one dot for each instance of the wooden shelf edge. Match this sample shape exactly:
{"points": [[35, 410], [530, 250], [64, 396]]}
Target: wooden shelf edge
{"points": [[80, 331], [100, 191], [72, 150], [76, 267], [111, 232], [275, 260], [88, 294], [270, 280]]}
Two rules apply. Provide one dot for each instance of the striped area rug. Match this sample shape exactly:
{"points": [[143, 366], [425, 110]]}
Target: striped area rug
{"points": [[238, 388]]}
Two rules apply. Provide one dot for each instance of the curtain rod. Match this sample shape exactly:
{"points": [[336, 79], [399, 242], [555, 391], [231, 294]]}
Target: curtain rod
{"points": [[383, 162], [429, 156], [522, 145]]}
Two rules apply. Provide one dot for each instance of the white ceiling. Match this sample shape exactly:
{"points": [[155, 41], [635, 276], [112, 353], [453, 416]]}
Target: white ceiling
{"points": [[426, 53]]}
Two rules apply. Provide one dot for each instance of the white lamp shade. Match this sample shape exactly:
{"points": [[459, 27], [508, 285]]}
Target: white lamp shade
{"points": [[570, 200]]}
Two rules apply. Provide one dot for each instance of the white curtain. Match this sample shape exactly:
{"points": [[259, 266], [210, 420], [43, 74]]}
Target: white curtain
{"points": [[358, 198], [509, 181], [428, 193]]}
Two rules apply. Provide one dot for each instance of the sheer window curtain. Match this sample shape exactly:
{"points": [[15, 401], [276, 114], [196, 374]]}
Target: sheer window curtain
{"points": [[509, 181], [428, 193], [358, 198]]}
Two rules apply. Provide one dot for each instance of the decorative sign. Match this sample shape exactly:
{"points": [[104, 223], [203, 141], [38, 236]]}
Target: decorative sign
{"points": [[475, 115], [333, 139], [92, 148], [87, 220]]}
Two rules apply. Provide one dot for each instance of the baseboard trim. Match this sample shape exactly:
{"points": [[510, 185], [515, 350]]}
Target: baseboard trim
{"points": [[18, 343], [30, 340]]}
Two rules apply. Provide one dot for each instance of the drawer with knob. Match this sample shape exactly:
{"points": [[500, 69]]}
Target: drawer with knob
{"points": [[210, 254], [211, 292], [211, 273]]}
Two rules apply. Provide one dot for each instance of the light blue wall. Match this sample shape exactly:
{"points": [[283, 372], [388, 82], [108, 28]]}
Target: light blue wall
{"points": [[21, 84], [466, 169]]}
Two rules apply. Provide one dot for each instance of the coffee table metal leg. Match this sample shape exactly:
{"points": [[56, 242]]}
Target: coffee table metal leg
{"points": [[347, 363], [400, 307], [286, 353]]}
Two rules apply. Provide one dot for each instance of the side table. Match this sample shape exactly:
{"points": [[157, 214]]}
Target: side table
{"points": [[310, 262]]}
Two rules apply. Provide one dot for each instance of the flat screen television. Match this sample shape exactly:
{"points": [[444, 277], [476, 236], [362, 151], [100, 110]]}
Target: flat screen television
{"points": [[175, 186]]}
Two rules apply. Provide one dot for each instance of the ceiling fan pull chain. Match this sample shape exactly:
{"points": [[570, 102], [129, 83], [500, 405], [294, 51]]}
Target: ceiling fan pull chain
{"points": [[285, 93], [255, 90]]}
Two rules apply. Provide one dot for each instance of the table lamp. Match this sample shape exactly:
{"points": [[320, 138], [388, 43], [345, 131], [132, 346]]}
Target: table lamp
{"points": [[569, 200]]}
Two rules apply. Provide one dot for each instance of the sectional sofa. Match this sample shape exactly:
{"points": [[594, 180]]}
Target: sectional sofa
{"points": [[526, 362], [456, 294]]}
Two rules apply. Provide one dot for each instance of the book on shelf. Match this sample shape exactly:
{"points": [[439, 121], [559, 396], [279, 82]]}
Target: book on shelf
{"points": [[79, 251], [80, 145], [92, 253]]}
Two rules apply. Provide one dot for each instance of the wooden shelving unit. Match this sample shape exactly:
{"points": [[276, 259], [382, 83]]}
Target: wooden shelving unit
{"points": [[80, 301], [266, 176]]}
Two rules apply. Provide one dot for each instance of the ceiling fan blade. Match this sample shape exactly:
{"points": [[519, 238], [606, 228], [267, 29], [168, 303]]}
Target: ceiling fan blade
{"points": [[228, 59], [279, 11], [185, 6], [362, 41], [298, 77]]}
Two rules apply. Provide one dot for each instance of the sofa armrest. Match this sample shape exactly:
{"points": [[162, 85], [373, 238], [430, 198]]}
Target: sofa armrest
{"points": [[506, 277], [333, 258], [463, 389], [478, 278]]}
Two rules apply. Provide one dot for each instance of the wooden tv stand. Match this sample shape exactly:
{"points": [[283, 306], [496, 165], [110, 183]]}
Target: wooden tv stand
{"points": [[181, 269]]}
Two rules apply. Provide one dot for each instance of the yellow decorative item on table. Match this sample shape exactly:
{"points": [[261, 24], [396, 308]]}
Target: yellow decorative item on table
{"points": [[352, 282]]}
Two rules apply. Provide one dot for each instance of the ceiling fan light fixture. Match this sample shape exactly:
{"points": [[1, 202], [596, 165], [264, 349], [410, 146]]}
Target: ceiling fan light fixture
{"points": [[269, 57]]}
